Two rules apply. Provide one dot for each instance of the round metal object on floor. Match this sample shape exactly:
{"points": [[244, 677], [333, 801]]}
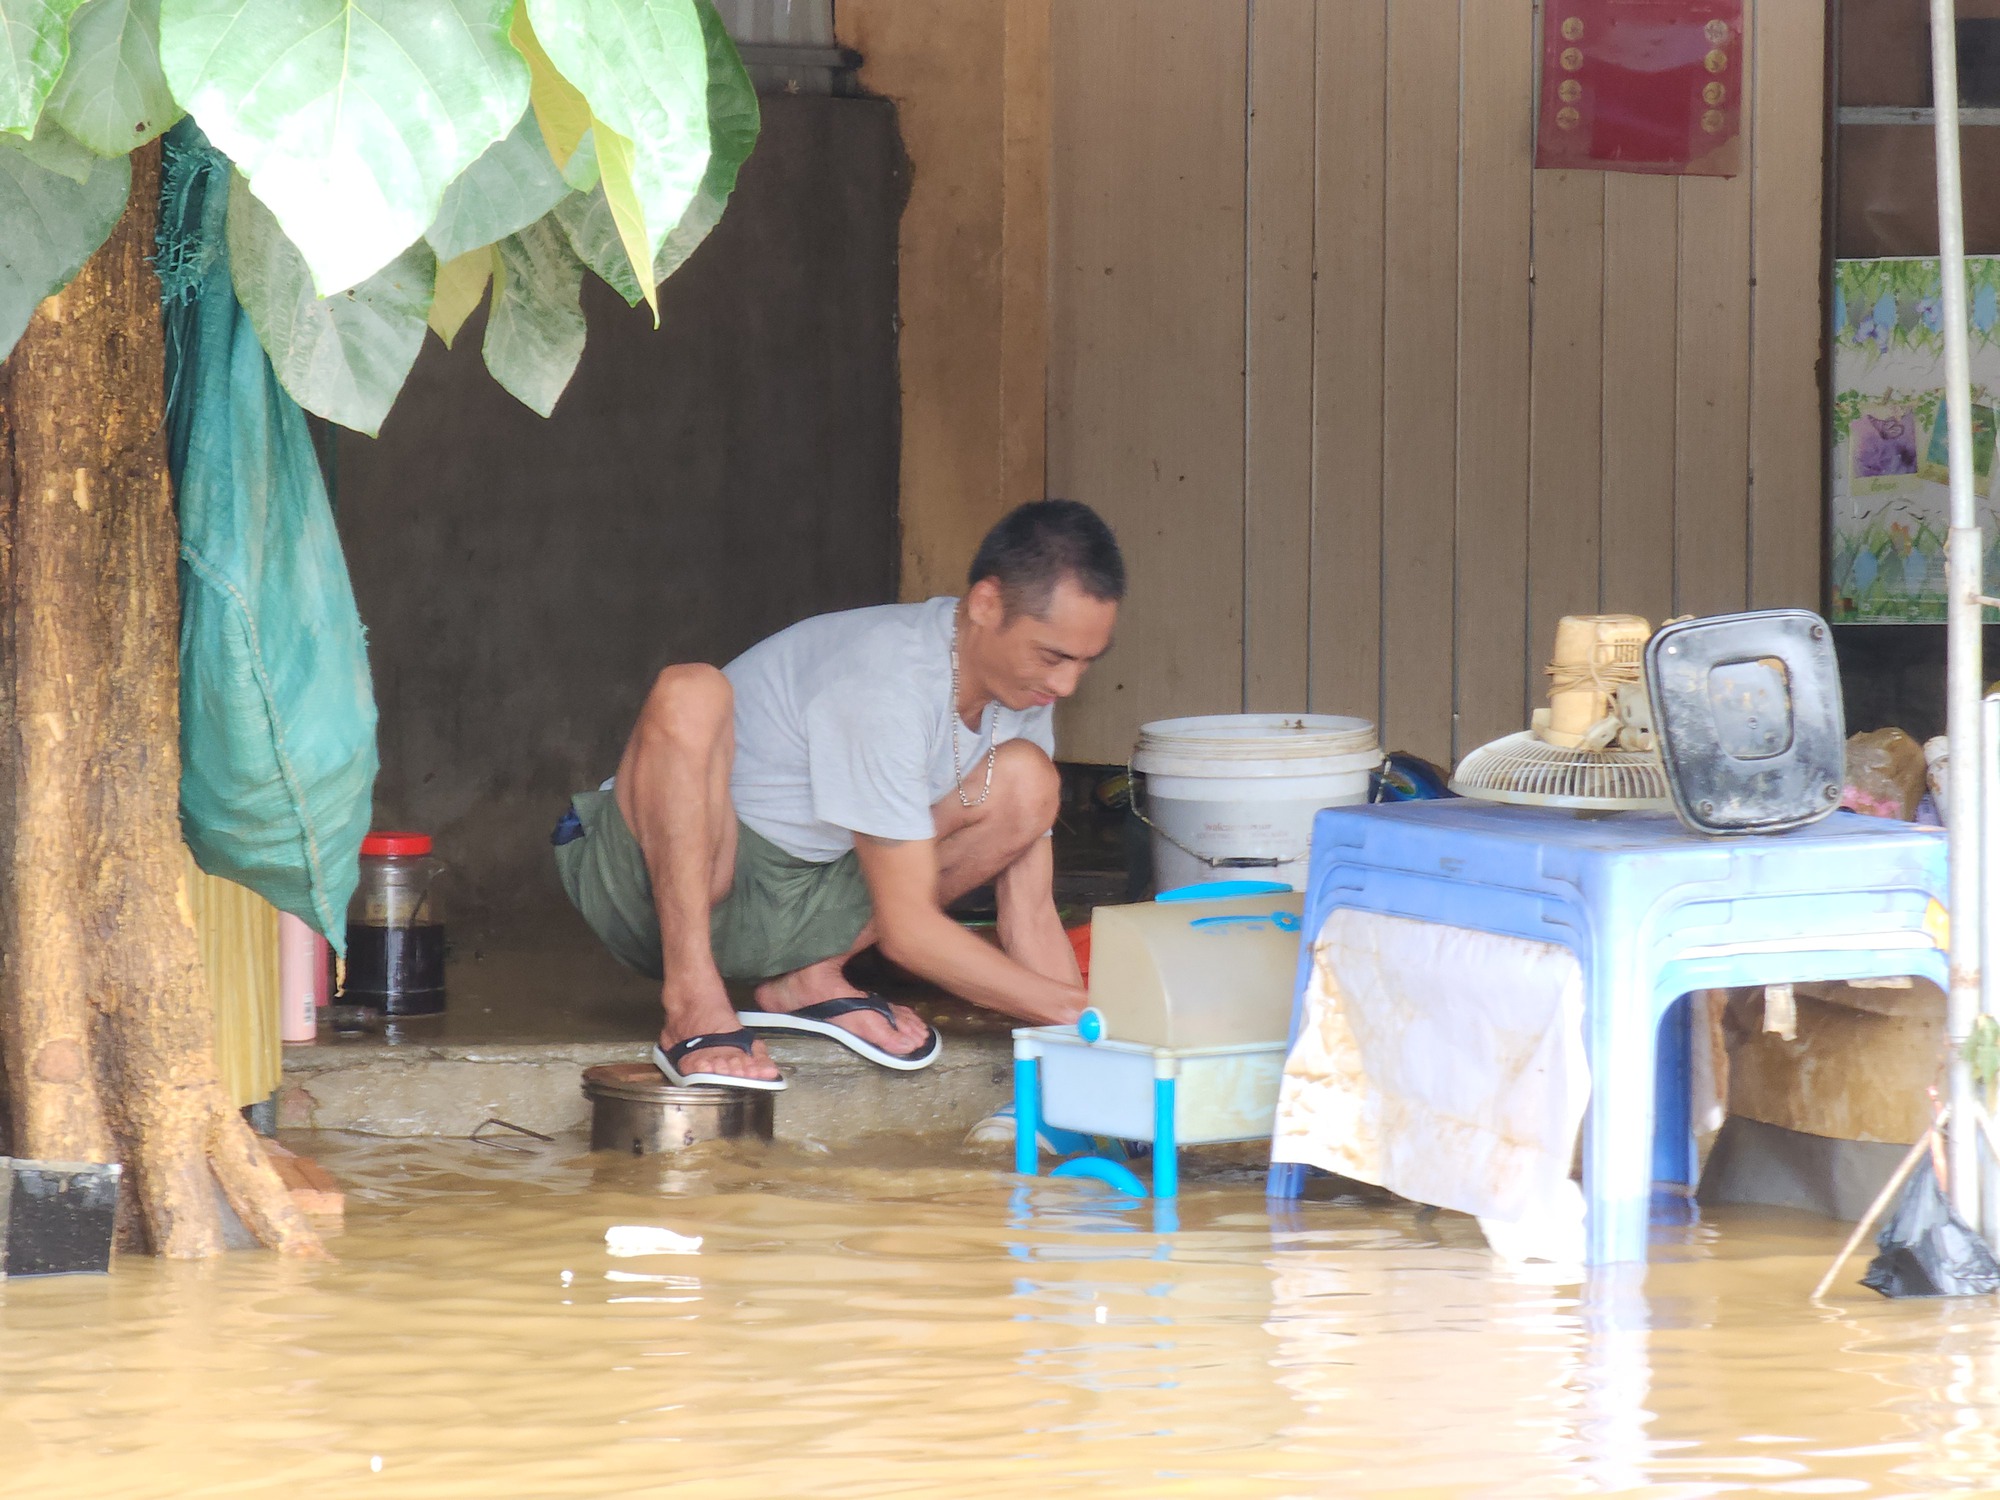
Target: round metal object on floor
{"points": [[634, 1109]]}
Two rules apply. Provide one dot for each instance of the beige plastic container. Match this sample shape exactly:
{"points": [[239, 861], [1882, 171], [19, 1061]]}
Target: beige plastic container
{"points": [[1593, 653], [1194, 973]]}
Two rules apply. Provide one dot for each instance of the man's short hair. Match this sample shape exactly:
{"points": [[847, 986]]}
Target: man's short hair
{"points": [[1039, 544]]}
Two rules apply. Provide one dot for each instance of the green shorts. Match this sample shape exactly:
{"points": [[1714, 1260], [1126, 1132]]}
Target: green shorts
{"points": [[782, 912]]}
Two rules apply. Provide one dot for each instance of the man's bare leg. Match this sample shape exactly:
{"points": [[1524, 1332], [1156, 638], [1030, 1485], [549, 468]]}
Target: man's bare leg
{"points": [[673, 788], [1000, 840]]}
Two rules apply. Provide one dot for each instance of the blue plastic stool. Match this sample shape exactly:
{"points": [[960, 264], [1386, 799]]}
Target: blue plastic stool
{"points": [[1101, 1079], [1652, 912], [1028, 1118]]}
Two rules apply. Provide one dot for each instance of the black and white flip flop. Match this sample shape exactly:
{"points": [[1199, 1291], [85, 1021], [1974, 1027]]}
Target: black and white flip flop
{"points": [[817, 1020], [668, 1061]]}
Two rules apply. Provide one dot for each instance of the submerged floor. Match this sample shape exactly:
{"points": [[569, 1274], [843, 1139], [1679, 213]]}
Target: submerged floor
{"points": [[907, 1320]]}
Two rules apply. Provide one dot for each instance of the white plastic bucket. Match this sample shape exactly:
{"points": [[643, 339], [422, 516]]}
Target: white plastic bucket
{"points": [[1233, 796]]}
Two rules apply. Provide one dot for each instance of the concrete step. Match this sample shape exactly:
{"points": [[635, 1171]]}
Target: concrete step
{"points": [[528, 1012], [450, 1088]]}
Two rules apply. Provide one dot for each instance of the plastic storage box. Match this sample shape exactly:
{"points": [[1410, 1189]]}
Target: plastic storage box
{"points": [[1185, 1040]]}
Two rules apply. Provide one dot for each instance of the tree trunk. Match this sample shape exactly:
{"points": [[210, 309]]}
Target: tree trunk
{"points": [[105, 1027]]}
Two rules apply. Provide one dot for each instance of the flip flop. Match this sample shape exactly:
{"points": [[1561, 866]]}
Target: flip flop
{"points": [[668, 1062], [817, 1020]]}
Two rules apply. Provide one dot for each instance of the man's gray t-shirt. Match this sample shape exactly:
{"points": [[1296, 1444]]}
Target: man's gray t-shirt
{"points": [[843, 726]]}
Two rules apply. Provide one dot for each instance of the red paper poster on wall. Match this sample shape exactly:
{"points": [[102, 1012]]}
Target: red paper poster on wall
{"points": [[1642, 86]]}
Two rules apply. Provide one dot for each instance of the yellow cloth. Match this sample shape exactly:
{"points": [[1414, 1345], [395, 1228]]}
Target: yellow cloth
{"points": [[238, 932]]}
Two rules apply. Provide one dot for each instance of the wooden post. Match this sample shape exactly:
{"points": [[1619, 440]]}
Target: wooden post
{"points": [[105, 1029]]}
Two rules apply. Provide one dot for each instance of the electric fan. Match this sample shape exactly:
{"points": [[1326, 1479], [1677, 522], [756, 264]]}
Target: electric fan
{"points": [[1592, 748]]}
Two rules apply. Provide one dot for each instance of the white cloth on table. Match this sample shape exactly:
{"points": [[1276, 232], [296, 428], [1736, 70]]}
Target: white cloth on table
{"points": [[1447, 1066]]}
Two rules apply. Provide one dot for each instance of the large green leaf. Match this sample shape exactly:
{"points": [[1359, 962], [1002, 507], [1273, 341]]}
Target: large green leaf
{"points": [[34, 45], [587, 224], [343, 357], [54, 149], [53, 225], [349, 117], [733, 121], [510, 187], [113, 95], [628, 215], [643, 67], [534, 334]]}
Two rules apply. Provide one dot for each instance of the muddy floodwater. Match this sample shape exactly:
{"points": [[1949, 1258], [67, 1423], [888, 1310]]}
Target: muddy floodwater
{"points": [[907, 1320]]}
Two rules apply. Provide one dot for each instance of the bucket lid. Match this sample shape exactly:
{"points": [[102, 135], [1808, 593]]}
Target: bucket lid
{"points": [[1223, 890], [379, 844], [1263, 737], [642, 1083]]}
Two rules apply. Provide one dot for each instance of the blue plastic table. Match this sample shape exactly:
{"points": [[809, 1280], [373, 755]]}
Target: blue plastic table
{"points": [[1652, 912]]}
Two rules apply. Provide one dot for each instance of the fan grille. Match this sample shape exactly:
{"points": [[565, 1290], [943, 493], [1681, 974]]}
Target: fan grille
{"points": [[1525, 769]]}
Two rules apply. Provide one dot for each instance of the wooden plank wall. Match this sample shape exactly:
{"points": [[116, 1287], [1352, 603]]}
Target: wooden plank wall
{"points": [[1372, 402], [1147, 324], [970, 80]]}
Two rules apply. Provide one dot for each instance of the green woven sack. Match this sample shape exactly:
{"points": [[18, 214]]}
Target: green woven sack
{"points": [[278, 754]]}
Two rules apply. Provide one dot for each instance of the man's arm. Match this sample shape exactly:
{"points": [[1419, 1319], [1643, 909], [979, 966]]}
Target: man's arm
{"points": [[1031, 932], [913, 931]]}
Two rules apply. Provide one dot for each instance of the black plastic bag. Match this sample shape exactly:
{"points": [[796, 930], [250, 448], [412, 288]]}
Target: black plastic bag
{"points": [[1927, 1250]]}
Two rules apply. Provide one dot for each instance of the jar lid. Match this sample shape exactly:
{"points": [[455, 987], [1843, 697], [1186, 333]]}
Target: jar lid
{"points": [[378, 844]]}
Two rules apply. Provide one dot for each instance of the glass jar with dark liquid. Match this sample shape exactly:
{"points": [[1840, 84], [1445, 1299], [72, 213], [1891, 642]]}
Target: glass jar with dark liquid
{"points": [[395, 929]]}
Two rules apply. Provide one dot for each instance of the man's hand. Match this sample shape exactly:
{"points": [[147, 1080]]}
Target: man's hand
{"points": [[913, 930]]}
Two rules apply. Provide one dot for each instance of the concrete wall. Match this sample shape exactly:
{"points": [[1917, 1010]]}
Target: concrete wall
{"points": [[697, 488]]}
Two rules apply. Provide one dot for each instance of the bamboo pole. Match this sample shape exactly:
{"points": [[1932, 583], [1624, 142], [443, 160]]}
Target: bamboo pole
{"points": [[1989, 993], [1964, 610], [1889, 1190]]}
